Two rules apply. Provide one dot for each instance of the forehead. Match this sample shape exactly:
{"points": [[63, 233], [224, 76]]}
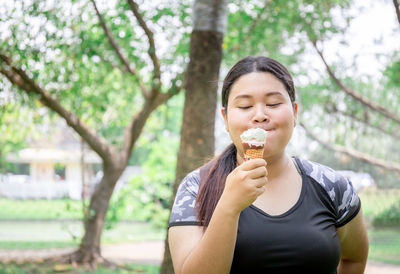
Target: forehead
{"points": [[257, 84]]}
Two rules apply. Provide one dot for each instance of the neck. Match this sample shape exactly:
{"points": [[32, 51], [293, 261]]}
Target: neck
{"points": [[277, 166]]}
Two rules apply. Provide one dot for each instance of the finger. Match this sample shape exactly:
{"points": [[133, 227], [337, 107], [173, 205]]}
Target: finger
{"points": [[258, 172], [260, 182], [260, 190], [253, 163]]}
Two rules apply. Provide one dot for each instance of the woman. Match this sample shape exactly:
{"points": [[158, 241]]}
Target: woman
{"points": [[271, 215]]}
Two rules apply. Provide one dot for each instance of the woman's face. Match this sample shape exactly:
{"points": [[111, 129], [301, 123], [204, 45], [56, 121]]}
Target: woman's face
{"points": [[260, 100]]}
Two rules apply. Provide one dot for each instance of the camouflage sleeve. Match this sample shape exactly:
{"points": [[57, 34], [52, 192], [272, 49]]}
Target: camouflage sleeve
{"points": [[347, 201], [340, 190], [183, 211]]}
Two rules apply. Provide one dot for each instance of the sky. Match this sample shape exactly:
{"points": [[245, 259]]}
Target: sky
{"points": [[375, 21]]}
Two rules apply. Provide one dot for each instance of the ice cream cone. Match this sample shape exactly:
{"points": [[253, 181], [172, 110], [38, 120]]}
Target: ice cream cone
{"points": [[253, 141], [253, 153]]}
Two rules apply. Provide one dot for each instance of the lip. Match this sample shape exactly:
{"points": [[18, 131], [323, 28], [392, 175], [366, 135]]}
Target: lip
{"points": [[269, 129]]}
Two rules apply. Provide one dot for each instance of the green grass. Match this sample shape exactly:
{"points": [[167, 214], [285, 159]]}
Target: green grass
{"points": [[36, 244], [39, 234], [384, 242], [384, 245], [42, 209], [11, 209], [23, 268]]}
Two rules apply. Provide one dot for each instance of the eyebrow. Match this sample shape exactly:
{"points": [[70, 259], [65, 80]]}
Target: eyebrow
{"points": [[269, 94]]}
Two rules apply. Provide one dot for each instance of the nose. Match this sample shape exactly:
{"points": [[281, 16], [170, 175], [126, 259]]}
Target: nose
{"points": [[260, 114]]}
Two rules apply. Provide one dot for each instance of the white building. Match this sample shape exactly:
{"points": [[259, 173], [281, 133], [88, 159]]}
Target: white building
{"points": [[61, 149]]}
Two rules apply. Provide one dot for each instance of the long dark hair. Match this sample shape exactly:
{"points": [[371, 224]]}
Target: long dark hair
{"points": [[213, 175]]}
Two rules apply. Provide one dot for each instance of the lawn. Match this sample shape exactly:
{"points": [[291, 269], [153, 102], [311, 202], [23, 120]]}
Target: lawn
{"points": [[384, 245], [49, 234], [13, 209], [43, 209], [41, 231], [15, 268], [384, 242]]}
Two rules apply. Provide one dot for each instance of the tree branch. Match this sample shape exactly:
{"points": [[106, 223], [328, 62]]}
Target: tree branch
{"points": [[251, 28], [392, 166], [117, 50], [19, 78], [365, 101], [396, 7], [331, 108], [152, 48], [133, 130]]}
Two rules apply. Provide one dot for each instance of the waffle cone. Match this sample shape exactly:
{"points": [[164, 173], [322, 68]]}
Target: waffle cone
{"points": [[253, 153]]}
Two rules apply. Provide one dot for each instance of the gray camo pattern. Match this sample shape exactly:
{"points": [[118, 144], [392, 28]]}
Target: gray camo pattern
{"points": [[339, 189], [183, 210]]}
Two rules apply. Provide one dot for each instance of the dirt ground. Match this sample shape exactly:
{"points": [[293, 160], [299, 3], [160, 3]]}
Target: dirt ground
{"points": [[150, 252]]}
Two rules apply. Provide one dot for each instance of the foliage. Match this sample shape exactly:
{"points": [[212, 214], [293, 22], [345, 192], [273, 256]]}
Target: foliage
{"points": [[376, 201], [148, 195], [389, 217], [17, 125], [382, 179], [392, 73], [283, 30], [62, 46], [279, 29], [41, 267]]}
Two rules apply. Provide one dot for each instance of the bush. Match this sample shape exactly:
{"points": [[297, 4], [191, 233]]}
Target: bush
{"points": [[147, 196], [388, 217]]}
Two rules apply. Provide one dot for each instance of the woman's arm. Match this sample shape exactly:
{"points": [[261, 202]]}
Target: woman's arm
{"points": [[193, 251], [211, 252], [354, 244]]}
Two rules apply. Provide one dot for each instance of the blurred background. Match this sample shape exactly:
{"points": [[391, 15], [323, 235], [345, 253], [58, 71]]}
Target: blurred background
{"points": [[106, 105]]}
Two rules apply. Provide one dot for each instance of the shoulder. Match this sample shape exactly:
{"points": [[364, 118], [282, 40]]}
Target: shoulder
{"points": [[191, 182], [183, 210], [339, 189], [325, 176]]}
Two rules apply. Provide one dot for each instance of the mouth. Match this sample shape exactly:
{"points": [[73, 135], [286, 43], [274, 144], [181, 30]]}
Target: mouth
{"points": [[266, 129]]}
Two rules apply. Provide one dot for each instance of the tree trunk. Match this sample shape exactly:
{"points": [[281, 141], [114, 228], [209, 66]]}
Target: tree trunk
{"points": [[197, 134], [89, 250]]}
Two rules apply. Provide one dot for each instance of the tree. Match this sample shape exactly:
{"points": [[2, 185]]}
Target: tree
{"points": [[283, 30], [356, 114], [367, 103], [55, 57], [201, 83]]}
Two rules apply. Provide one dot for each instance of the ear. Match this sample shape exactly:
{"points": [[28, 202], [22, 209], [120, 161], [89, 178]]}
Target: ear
{"points": [[224, 115], [295, 108]]}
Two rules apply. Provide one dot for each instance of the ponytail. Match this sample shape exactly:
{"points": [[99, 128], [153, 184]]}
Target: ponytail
{"points": [[212, 183]]}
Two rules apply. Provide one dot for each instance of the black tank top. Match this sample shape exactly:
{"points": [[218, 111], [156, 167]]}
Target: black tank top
{"points": [[301, 240]]}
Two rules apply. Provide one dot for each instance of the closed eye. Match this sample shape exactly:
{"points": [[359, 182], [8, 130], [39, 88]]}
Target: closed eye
{"points": [[245, 107], [274, 105]]}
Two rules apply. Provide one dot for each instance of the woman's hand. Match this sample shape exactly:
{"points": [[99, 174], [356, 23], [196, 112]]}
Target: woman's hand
{"points": [[244, 184]]}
